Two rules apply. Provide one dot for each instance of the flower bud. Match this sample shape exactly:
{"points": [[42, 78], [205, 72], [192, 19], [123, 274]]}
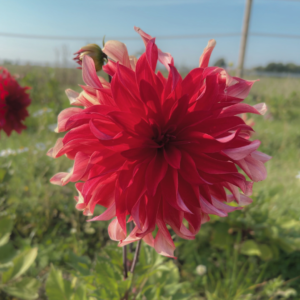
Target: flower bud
{"points": [[92, 50], [201, 270]]}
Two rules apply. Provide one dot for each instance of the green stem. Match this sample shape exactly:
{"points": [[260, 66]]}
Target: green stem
{"points": [[125, 262], [136, 256]]}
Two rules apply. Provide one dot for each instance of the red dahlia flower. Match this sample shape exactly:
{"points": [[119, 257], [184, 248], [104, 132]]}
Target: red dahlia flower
{"points": [[160, 152], [13, 103]]}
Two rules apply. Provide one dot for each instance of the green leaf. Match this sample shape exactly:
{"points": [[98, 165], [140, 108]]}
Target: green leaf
{"points": [[80, 264], [250, 247], [80, 293], [124, 285], [286, 245], [221, 238], [6, 225], [265, 252], [7, 252], [2, 174], [26, 289], [4, 239], [21, 262], [56, 287]]}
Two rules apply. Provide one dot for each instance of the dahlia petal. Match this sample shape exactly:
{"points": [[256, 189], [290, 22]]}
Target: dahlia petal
{"points": [[72, 95], [242, 108], [55, 150], [165, 58], [204, 59], [149, 240], [98, 112], [186, 233], [126, 120], [245, 200], [227, 138], [82, 131], [172, 156], [162, 78], [260, 156], [89, 74], [80, 205], [115, 231], [261, 108], [192, 82], [128, 80], [61, 178], [80, 165], [170, 192], [103, 196], [205, 218], [152, 207], [104, 82], [88, 98], [224, 207], [92, 97], [99, 134], [188, 169], [150, 97], [156, 171], [152, 54], [64, 116], [182, 205], [163, 228], [208, 208], [118, 52], [234, 190], [144, 71], [133, 61], [213, 166], [241, 88], [135, 213], [210, 94], [254, 168], [242, 152], [107, 215], [178, 111], [194, 221], [124, 99], [132, 237], [146, 37], [110, 68], [162, 247], [136, 189]]}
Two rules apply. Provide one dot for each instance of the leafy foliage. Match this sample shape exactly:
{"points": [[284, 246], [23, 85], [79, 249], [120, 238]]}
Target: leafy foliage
{"points": [[155, 277], [14, 264], [252, 254]]}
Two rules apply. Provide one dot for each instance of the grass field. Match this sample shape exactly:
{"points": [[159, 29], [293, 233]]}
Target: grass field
{"points": [[45, 215]]}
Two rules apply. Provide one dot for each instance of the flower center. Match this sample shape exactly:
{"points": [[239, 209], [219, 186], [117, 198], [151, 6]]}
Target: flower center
{"points": [[163, 138]]}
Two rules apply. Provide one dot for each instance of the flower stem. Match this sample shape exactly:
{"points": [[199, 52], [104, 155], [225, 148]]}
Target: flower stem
{"points": [[125, 261], [136, 256], [131, 244]]}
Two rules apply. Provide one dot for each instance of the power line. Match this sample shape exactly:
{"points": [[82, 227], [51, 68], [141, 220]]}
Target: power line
{"points": [[276, 35], [165, 37], [52, 37]]}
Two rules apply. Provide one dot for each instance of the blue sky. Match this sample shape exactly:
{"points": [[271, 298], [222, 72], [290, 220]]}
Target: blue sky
{"points": [[116, 18]]}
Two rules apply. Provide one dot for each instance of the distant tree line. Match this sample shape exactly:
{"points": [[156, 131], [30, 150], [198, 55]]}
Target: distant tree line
{"points": [[280, 68]]}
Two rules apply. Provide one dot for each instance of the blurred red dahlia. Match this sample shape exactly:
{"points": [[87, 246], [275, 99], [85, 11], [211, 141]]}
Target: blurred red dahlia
{"points": [[158, 151], [13, 103]]}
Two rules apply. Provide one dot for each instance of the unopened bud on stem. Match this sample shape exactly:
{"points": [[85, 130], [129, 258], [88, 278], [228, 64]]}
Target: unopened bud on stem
{"points": [[94, 51]]}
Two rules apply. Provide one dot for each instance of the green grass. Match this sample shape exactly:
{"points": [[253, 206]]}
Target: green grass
{"points": [[45, 215]]}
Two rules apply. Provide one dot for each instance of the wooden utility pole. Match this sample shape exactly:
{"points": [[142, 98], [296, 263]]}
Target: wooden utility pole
{"points": [[240, 68]]}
